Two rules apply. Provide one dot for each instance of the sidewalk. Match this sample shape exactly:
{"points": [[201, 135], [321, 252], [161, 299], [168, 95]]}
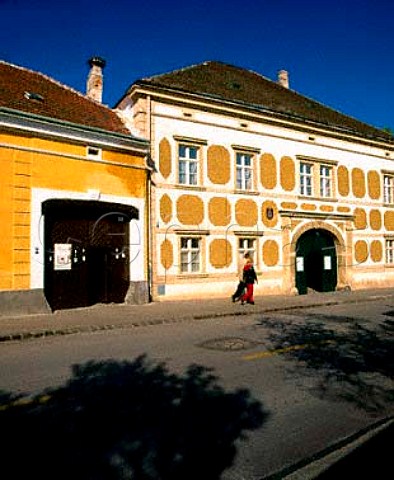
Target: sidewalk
{"points": [[111, 316]]}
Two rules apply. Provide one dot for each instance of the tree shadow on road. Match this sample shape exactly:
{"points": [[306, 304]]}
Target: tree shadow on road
{"points": [[354, 362], [127, 420]]}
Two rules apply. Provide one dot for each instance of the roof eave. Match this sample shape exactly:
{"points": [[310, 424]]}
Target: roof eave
{"points": [[73, 131], [297, 119]]}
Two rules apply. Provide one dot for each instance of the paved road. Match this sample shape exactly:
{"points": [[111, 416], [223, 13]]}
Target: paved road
{"points": [[112, 317]]}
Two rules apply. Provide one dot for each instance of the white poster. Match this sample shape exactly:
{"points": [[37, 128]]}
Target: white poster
{"points": [[62, 256], [327, 263], [300, 264]]}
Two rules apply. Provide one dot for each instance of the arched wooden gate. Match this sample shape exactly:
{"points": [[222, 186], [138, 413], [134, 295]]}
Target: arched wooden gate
{"points": [[86, 252]]}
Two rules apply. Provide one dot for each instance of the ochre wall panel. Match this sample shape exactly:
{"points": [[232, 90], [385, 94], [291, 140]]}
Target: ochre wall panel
{"points": [[267, 207], [166, 254], [343, 181], [287, 173], [376, 251], [246, 213], [220, 253], [358, 183], [165, 158], [165, 208], [218, 161], [360, 219], [375, 219], [268, 171], [374, 185], [270, 253], [219, 211], [190, 210], [361, 251]]}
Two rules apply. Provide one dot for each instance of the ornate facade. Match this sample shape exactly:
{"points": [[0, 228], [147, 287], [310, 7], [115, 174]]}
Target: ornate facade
{"points": [[243, 163]]}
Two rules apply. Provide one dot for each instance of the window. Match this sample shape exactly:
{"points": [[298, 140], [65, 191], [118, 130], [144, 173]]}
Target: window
{"points": [[389, 250], [306, 179], [325, 181], [247, 245], [190, 254], [317, 178], [188, 165], [93, 152], [388, 189], [244, 171]]}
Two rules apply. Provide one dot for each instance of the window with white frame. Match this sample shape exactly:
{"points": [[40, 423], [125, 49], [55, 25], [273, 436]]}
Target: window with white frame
{"points": [[247, 245], [388, 189], [325, 181], [244, 171], [190, 254], [187, 164], [389, 250], [306, 179], [316, 178]]}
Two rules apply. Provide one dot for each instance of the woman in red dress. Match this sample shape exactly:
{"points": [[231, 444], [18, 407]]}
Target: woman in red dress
{"points": [[249, 277]]}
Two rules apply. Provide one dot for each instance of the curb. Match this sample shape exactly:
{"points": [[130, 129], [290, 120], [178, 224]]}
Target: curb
{"points": [[312, 467], [50, 332]]}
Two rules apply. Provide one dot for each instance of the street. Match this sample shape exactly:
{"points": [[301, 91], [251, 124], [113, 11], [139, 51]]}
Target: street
{"points": [[319, 375]]}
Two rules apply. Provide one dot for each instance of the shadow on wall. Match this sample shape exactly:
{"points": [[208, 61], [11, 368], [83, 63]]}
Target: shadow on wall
{"points": [[127, 420]]}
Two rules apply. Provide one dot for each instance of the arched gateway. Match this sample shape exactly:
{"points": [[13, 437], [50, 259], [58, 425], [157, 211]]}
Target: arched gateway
{"points": [[316, 261]]}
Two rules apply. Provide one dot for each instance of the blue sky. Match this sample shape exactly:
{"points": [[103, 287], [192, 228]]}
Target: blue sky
{"points": [[337, 52]]}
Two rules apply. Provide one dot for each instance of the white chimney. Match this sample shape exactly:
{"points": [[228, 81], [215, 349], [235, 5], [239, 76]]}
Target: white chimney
{"points": [[283, 78], [94, 85]]}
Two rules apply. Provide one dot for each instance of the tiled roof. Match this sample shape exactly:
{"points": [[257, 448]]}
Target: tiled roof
{"points": [[229, 83], [50, 98]]}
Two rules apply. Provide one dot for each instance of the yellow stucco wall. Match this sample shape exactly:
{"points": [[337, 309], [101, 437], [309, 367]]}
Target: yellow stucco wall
{"points": [[29, 162]]}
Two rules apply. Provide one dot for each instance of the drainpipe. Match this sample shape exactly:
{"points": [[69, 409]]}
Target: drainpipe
{"points": [[150, 208]]}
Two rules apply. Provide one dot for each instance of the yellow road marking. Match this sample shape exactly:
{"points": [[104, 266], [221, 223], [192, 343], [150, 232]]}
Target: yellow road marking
{"points": [[278, 351], [271, 353], [25, 401]]}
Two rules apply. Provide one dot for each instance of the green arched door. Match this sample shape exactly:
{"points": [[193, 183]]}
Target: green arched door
{"points": [[316, 262]]}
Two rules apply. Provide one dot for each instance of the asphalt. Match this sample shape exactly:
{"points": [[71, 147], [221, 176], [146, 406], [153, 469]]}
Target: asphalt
{"points": [[338, 460]]}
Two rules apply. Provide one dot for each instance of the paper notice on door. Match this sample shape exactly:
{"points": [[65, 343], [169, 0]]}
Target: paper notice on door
{"points": [[300, 264], [62, 256], [327, 262]]}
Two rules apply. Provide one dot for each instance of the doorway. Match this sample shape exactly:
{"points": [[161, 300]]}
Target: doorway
{"points": [[87, 257], [316, 262]]}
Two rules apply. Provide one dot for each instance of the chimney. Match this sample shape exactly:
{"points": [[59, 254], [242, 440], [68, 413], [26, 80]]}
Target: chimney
{"points": [[283, 78], [94, 85]]}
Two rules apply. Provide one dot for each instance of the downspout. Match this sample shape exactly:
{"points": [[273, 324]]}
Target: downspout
{"points": [[149, 208]]}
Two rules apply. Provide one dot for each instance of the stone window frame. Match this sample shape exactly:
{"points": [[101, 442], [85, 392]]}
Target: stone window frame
{"points": [[200, 235], [389, 250], [316, 165], [253, 153], [250, 235], [198, 144], [192, 251], [388, 191]]}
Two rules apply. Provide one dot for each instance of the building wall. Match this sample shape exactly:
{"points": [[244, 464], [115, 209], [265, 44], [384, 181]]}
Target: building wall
{"points": [[35, 168], [219, 214]]}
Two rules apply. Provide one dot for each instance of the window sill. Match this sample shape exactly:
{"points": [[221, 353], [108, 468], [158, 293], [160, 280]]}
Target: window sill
{"points": [[318, 199], [194, 188], [187, 275], [239, 191]]}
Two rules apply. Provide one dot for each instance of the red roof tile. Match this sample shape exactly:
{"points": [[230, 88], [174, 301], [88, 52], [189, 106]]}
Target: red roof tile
{"points": [[227, 82], [50, 98]]}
